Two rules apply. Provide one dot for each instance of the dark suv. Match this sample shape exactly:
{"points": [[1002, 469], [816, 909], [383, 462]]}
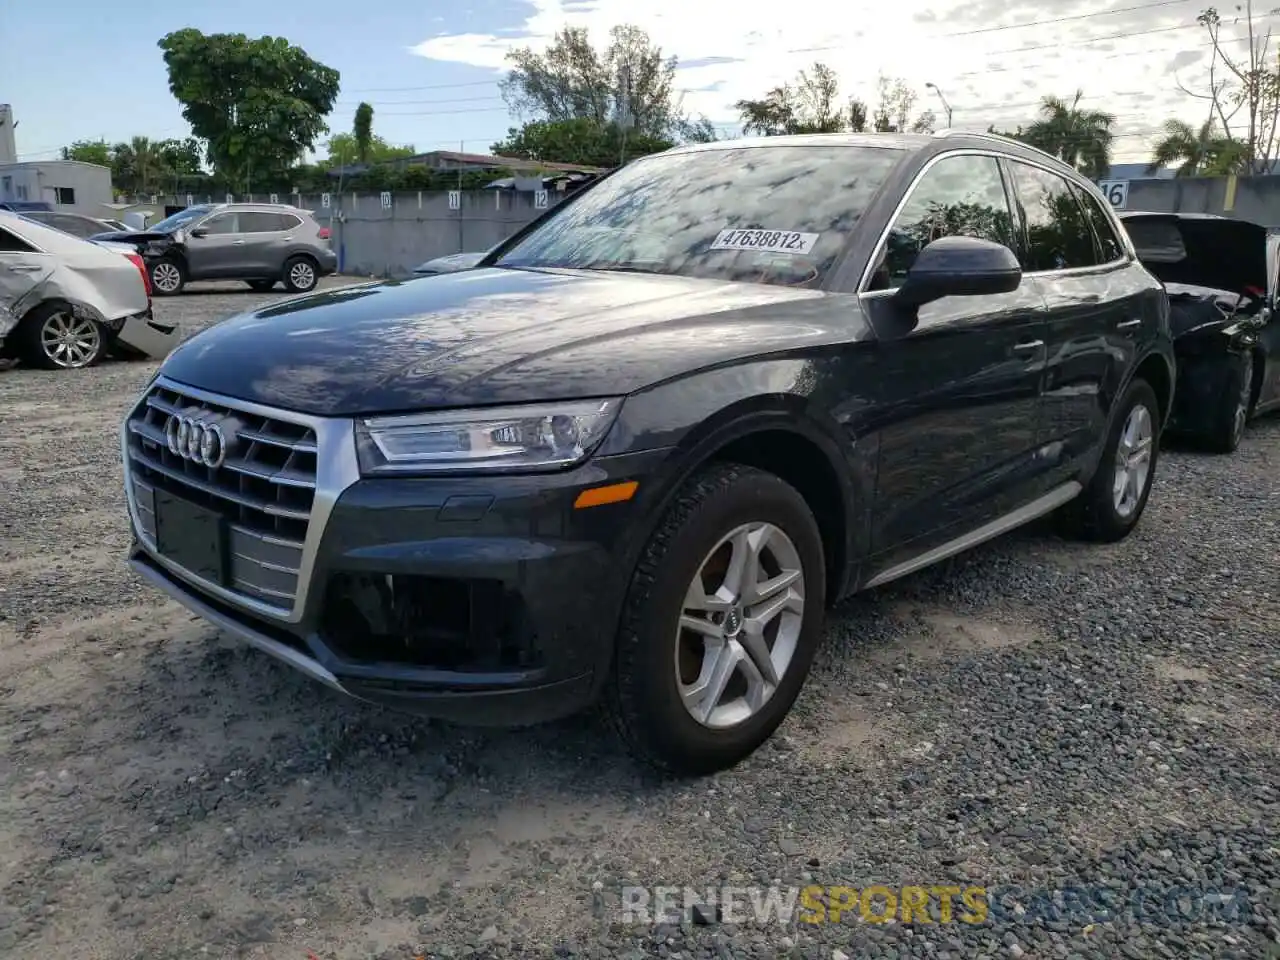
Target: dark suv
{"points": [[261, 243], [639, 450]]}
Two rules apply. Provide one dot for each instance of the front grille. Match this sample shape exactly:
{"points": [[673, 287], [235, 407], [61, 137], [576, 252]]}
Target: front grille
{"points": [[264, 490]]}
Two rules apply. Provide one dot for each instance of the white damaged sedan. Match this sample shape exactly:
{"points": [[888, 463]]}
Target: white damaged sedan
{"points": [[66, 303]]}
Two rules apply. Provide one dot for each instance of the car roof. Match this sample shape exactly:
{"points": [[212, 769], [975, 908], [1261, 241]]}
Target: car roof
{"points": [[916, 143], [254, 207]]}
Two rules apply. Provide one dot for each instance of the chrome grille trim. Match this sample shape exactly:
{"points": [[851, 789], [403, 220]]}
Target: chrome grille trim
{"points": [[269, 569]]}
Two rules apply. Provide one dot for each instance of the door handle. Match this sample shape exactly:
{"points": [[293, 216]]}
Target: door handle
{"points": [[1028, 345], [26, 267], [1128, 324], [237, 243]]}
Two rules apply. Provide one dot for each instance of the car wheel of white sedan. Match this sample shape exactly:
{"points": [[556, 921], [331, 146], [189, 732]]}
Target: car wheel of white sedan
{"points": [[57, 338]]}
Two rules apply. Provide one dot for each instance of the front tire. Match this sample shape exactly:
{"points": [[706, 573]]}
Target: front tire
{"points": [[721, 622], [168, 277], [1110, 507], [1232, 411], [55, 337], [301, 274]]}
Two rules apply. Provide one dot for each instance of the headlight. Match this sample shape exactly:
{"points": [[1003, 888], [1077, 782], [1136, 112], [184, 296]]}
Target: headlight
{"points": [[524, 438]]}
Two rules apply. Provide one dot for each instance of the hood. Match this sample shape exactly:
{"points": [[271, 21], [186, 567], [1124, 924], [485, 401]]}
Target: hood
{"points": [[129, 236], [492, 336], [453, 262], [1201, 250]]}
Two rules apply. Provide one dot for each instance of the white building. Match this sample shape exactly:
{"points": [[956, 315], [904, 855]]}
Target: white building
{"points": [[64, 184]]}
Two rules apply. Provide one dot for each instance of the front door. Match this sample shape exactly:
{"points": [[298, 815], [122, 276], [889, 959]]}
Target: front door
{"points": [[22, 270], [219, 252], [961, 391]]}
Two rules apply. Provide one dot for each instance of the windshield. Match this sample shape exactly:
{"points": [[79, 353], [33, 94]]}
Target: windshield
{"points": [[169, 224], [767, 214]]}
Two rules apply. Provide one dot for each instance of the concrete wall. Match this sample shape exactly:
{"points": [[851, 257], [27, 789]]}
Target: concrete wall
{"points": [[1256, 198], [389, 241]]}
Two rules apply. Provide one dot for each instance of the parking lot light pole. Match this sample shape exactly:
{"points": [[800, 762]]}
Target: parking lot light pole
{"points": [[945, 106]]}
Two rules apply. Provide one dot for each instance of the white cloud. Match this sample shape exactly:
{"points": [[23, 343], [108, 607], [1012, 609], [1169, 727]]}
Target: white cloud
{"points": [[982, 76]]}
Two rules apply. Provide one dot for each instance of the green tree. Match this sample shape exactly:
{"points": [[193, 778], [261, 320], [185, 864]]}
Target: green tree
{"points": [[1196, 153], [629, 83], [259, 104], [1080, 138], [362, 131], [137, 166], [812, 104], [89, 151], [579, 141], [344, 150]]}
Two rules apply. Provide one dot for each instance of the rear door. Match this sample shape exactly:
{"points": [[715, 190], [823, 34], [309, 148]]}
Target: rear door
{"points": [[961, 391], [265, 241], [1098, 304]]}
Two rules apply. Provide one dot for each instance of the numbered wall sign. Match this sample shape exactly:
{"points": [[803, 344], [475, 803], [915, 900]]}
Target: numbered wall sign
{"points": [[1116, 192], [275, 198], [455, 199], [324, 200], [153, 198], [231, 198], [190, 200], [540, 199], [386, 199]]}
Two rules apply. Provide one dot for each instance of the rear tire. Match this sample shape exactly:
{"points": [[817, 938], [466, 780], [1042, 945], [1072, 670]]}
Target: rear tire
{"points": [[168, 277], [688, 621], [1113, 503], [1232, 411], [53, 337], [301, 274]]}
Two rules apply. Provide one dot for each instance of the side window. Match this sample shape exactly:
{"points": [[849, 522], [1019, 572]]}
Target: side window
{"points": [[223, 223], [1058, 236], [10, 243], [260, 223], [958, 197], [65, 196], [289, 222], [76, 226], [1109, 245]]}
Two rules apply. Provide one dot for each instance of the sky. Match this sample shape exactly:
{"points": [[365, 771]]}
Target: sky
{"points": [[431, 70]]}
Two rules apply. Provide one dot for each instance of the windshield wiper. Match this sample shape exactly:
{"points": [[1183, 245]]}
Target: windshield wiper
{"points": [[606, 266]]}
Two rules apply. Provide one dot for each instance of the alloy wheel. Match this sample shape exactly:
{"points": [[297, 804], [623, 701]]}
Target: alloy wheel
{"points": [[739, 625], [302, 276], [70, 341], [1133, 461], [166, 277]]}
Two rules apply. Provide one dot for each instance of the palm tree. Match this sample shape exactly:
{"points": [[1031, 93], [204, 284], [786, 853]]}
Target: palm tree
{"points": [[1196, 152], [1081, 138]]}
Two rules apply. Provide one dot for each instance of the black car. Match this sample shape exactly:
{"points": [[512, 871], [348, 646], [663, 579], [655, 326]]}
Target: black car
{"points": [[1220, 275], [638, 451]]}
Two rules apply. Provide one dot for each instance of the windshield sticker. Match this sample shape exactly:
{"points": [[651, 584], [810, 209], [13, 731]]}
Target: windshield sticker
{"points": [[766, 241]]}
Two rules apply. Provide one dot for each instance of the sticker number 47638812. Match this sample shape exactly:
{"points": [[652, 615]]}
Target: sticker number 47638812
{"points": [[767, 241]]}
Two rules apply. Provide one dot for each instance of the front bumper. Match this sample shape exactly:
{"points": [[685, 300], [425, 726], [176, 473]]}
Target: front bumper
{"points": [[381, 615]]}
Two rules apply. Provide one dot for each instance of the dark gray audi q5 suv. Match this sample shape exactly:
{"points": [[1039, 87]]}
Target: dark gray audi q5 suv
{"points": [[635, 454]]}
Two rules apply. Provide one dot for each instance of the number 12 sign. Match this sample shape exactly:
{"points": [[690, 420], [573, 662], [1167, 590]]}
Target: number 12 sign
{"points": [[1116, 192]]}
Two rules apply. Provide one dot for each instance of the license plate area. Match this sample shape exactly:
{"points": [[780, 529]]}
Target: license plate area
{"points": [[192, 536]]}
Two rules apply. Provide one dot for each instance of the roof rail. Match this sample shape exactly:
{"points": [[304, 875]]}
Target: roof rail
{"points": [[998, 138]]}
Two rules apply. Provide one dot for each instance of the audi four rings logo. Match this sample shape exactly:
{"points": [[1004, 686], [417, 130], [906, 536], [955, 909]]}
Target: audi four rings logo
{"points": [[196, 439]]}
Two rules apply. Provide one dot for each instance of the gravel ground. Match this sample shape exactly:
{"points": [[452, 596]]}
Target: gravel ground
{"points": [[1035, 716]]}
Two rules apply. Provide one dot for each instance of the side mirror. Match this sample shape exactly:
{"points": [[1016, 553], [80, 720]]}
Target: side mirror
{"points": [[958, 267], [198, 232]]}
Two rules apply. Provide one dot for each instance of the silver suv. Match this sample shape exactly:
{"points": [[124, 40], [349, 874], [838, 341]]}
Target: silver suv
{"points": [[261, 243]]}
